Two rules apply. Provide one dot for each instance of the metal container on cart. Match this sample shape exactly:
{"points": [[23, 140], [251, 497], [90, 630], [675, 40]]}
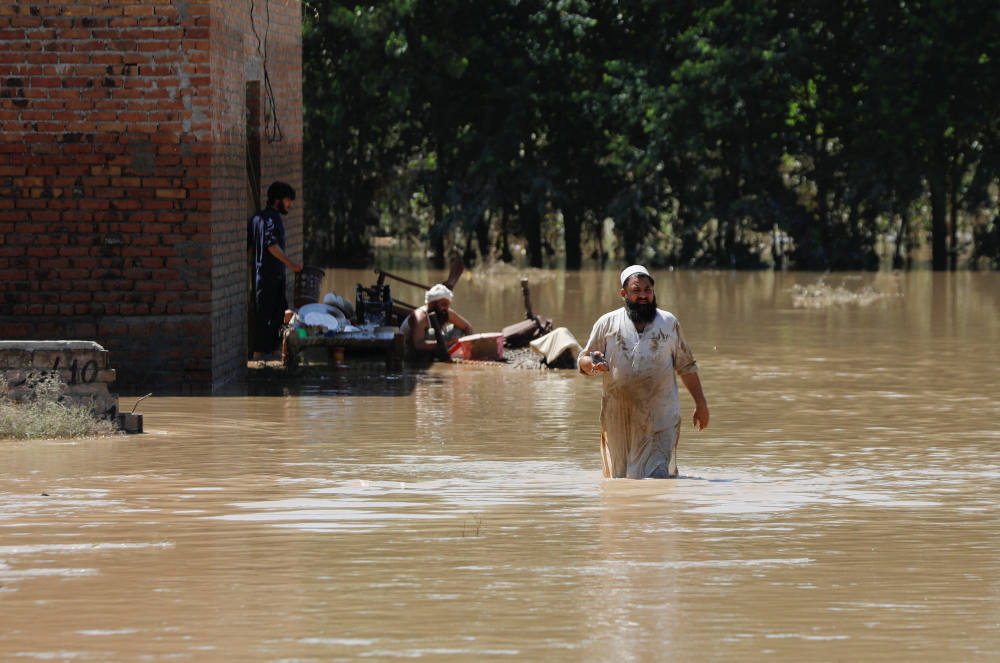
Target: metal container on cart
{"points": [[373, 307]]}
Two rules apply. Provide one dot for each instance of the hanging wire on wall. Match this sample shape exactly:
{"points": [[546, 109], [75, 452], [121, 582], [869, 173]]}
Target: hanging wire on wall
{"points": [[253, 179], [272, 127]]}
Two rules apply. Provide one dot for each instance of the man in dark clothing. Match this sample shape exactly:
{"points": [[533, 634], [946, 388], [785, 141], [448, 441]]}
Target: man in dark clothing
{"points": [[267, 239]]}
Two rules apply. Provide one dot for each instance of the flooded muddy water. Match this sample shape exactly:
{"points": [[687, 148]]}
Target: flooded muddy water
{"points": [[840, 506]]}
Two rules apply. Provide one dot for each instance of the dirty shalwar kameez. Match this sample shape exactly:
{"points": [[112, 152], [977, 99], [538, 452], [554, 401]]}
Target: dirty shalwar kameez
{"points": [[640, 409]]}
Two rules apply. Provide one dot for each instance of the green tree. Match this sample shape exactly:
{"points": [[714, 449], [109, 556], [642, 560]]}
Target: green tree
{"points": [[356, 122], [698, 127], [902, 98]]}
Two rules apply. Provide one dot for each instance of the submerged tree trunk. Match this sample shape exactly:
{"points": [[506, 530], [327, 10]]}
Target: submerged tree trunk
{"points": [[503, 239], [437, 250], [729, 245], [777, 250], [953, 218], [630, 238], [600, 253], [338, 231], [901, 237], [437, 232], [572, 231], [939, 222], [531, 224], [483, 237]]}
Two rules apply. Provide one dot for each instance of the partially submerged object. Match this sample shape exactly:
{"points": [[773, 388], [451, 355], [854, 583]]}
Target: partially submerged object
{"points": [[371, 325], [520, 334], [530, 343], [482, 347], [327, 326], [559, 348]]}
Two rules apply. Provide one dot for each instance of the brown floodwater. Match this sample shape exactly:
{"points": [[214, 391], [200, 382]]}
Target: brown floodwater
{"points": [[840, 506]]}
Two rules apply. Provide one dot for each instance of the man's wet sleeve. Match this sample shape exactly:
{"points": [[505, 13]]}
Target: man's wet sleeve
{"points": [[597, 341], [684, 362]]}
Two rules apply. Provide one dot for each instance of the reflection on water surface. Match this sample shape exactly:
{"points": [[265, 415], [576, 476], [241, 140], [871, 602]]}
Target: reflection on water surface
{"points": [[840, 507]]}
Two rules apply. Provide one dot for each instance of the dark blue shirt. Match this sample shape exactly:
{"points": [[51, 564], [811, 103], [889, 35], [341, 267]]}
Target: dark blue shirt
{"points": [[266, 230]]}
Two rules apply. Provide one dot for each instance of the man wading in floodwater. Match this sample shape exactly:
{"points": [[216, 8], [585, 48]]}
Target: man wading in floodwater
{"points": [[638, 348]]}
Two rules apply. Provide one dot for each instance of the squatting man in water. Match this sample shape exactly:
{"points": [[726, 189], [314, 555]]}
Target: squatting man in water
{"points": [[417, 328], [638, 349]]}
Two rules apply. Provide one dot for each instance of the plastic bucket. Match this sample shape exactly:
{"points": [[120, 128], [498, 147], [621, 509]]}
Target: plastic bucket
{"points": [[307, 283]]}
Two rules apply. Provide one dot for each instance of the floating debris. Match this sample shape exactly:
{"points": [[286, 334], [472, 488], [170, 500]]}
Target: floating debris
{"points": [[499, 274], [821, 295]]}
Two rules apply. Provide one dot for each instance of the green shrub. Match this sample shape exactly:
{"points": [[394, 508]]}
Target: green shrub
{"points": [[42, 414]]}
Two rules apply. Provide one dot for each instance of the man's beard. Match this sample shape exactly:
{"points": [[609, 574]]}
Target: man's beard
{"points": [[442, 312], [280, 206], [641, 313]]}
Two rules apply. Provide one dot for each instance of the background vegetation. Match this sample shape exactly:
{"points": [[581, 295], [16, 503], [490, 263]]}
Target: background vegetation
{"points": [[834, 134]]}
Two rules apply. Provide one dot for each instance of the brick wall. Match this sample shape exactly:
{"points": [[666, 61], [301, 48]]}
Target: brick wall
{"points": [[245, 44], [123, 177]]}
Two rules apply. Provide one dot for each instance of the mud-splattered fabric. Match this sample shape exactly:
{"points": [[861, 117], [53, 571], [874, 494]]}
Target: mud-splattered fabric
{"points": [[640, 409]]}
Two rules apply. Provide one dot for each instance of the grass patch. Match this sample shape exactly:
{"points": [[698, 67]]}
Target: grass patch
{"points": [[44, 414]]}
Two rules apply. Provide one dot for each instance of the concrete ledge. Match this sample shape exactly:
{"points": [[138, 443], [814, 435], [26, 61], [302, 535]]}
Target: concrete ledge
{"points": [[50, 345], [83, 365]]}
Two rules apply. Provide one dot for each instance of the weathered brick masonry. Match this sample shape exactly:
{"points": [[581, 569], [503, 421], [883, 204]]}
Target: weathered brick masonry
{"points": [[128, 130]]}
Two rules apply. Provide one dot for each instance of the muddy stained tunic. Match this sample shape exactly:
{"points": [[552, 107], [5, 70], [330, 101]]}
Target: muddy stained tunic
{"points": [[640, 409]]}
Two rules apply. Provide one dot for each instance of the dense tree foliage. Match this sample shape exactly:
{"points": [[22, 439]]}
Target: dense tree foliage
{"points": [[816, 135]]}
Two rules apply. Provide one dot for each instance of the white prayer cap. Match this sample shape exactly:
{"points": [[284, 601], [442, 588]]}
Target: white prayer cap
{"points": [[439, 291], [632, 271]]}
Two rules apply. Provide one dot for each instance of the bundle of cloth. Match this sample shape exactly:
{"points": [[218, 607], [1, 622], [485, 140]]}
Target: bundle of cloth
{"points": [[558, 348]]}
